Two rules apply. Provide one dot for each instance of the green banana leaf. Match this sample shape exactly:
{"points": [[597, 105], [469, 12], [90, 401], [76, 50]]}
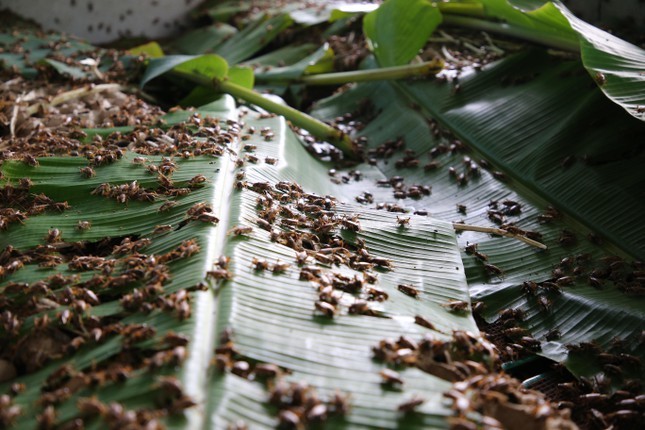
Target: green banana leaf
{"points": [[252, 38], [14, 48], [203, 40], [615, 65], [525, 130], [271, 316], [327, 355], [398, 29], [538, 120], [535, 133], [320, 61]]}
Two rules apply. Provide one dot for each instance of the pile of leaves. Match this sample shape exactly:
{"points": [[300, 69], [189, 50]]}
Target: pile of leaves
{"points": [[443, 220]]}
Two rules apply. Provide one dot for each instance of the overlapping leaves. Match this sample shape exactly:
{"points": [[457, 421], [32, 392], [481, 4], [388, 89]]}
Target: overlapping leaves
{"points": [[272, 316], [614, 63], [506, 129], [576, 304]]}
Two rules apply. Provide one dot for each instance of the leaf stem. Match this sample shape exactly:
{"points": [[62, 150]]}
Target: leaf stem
{"points": [[552, 40], [316, 127], [499, 232], [472, 9], [323, 131], [385, 73]]}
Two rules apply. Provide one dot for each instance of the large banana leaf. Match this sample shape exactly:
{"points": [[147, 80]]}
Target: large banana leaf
{"points": [[60, 179], [557, 139], [526, 133], [554, 137], [253, 37], [327, 355], [271, 316]]}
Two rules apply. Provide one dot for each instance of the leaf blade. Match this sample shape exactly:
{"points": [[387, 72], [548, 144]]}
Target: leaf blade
{"points": [[398, 29]]}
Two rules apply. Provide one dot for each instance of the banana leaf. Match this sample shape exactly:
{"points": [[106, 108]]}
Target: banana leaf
{"points": [[525, 130], [37, 52], [253, 37], [398, 29], [203, 40], [539, 120], [271, 316], [25, 49], [580, 131]]}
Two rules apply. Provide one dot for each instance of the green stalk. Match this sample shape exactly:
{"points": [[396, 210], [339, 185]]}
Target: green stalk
{"points": [[550, 40], [316, 127], [300, 119], [385, 73], [473, 9]]}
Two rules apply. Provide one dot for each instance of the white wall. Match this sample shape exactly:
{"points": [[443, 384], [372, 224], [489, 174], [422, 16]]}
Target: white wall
{"points": [[101, 21]]}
